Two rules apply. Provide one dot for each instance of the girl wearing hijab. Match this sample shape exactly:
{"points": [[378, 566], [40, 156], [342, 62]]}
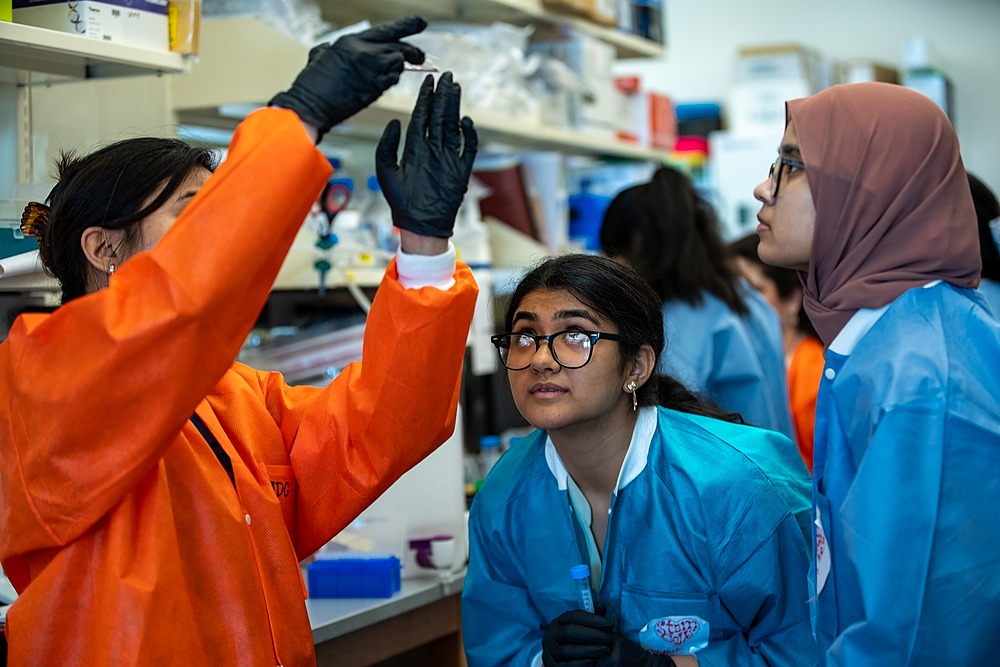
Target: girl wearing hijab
{"points": [[723, 338], [869, 201]]}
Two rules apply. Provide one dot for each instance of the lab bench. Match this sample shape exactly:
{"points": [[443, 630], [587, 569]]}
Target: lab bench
{"points": [[424, 618]]}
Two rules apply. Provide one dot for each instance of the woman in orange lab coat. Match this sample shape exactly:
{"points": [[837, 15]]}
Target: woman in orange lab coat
{"points": [[156, 497]]}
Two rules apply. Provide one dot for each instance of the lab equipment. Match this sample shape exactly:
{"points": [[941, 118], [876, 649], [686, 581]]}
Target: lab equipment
{"points": [[352, 574], [581, 579], [335, 197], [489, 453]]}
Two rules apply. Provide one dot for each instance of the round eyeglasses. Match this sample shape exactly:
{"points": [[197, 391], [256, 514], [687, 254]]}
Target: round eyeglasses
{"points": [[570, 349], [775, 173]]}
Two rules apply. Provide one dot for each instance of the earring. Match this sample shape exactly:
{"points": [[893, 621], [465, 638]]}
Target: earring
{"points": [[111, 270], [632, 389]]}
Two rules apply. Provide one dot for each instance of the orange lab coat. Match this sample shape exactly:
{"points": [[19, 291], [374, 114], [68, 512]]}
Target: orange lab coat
{"points": [[127, 541], [804, 373]]}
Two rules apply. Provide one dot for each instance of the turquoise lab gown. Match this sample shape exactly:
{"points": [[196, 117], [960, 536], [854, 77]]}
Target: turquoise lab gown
{"points": [[707, 521], [907, 485], [735, 361]]}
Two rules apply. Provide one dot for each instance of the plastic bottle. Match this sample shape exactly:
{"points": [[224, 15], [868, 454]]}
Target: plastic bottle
{"points": [[377, 216], [586, 213], [581, 579], [489, 453]]}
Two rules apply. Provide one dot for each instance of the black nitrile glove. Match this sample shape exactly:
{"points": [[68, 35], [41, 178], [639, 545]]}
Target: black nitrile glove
{"points": [[627, 653], [577, 639], [425, 189], [343, 78]]}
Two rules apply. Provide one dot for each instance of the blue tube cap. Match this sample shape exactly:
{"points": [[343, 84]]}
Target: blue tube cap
{"points": [[579, 571]]}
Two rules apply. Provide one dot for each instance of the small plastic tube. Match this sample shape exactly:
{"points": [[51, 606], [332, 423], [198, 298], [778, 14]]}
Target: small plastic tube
{"points": [[581, 578]]}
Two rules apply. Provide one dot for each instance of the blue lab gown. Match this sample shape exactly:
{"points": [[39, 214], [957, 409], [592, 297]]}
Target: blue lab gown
{"points": [[991, 290], [702, 527], [907, 485], [735, 361]]}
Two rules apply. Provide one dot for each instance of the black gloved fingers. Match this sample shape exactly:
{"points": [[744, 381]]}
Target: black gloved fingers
{"points": [[444, 99], [394, 30], [470, 139], [387, 153], [586, 619], [416, 131], [412, 54]]}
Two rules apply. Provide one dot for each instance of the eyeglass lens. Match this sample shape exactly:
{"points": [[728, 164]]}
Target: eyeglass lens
{"points": [[775, 175], [570, 349]]}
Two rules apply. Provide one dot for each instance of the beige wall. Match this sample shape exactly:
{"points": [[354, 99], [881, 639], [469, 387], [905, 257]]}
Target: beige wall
{"points": [[704, 36]]}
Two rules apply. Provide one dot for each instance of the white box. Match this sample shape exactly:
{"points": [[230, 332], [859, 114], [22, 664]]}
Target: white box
{"points": [[765, 78], [739, 163], [139, 23]]}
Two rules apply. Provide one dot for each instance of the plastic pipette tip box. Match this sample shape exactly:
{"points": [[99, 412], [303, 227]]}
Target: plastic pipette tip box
{"points": [[354, 575]]}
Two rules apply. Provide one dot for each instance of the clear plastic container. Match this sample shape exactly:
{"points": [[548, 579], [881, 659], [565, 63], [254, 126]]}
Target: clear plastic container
{"points": [[490, 450], [581, 579], [377, 216]]}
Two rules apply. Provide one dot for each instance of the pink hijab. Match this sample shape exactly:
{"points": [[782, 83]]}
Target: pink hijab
{"points": [[893, 205]]}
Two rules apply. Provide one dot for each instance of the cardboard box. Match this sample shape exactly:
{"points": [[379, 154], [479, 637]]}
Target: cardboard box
{"points": [[765, 78], [862, 71], [139, 23], [645, 117], [602, 12]]}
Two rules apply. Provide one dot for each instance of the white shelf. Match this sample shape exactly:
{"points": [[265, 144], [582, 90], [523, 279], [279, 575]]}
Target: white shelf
{"points": [[27, 48], [521, 12], [211, 97]]}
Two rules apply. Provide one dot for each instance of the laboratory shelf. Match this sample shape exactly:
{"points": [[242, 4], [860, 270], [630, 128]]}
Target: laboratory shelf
{"points": [[211, 97], [28, 48], [519, 12]]}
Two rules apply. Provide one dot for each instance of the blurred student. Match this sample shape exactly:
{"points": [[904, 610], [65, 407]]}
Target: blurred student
{"points": [[803, 348], [723, 339], [988, 215]]}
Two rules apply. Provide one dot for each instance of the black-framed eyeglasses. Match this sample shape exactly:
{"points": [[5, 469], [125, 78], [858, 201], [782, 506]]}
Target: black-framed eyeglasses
{"points": [[775, 173], [570, 349]]}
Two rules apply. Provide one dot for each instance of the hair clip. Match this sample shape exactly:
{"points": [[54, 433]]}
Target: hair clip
{"points": [[35, 220]]}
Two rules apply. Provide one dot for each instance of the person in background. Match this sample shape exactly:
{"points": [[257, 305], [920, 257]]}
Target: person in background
{"points": [[988, 215], [803, 348], [868, 199], [694, 527], [723, 339], [156, 496]]}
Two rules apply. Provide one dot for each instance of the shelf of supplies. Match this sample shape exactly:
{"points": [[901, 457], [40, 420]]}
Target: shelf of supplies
{"points": [[211, 97], [520, 12], [27, 48]]}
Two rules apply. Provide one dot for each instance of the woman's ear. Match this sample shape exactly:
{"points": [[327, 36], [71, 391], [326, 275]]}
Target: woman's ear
{"points": [[100, 247], [643, 365]]}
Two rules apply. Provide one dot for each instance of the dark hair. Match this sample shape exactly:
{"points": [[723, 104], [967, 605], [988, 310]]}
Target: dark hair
{"points": [[786, 281], [619, 294], [108, 188], [670, 235], [987, 209]]}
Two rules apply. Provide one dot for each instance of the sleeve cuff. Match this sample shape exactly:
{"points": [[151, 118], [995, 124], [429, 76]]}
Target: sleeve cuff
{"points": [[537, 662], [416, 271]]}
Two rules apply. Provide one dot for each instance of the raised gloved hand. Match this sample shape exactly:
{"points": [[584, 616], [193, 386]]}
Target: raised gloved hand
{"points": [[577, 639], [343, 78], [425, 188], [627, 653]]}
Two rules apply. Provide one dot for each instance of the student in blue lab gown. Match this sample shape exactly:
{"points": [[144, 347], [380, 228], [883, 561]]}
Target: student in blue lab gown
{"points": [[723, 339], [869, 200], [988, 216], [689, 523]]}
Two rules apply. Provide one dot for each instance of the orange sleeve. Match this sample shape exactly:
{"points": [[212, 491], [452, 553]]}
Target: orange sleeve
{"points": [[349, 441], [96, 392], [804, 374]]}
